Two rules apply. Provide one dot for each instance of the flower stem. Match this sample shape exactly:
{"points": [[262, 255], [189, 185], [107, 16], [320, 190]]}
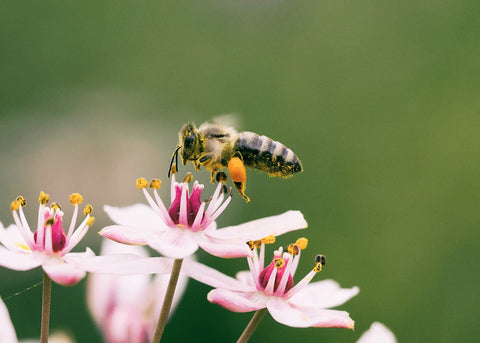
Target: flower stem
{"points": [[252, 325], [167, 301], [46, 300]]}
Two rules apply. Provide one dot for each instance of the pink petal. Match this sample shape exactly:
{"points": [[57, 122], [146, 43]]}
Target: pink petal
{"points": [[302, 317], [378, 333], [323, 294], [65, 274], [222, 247], [174, 243], [213, 277], [260, 228], [17, 260], [125, 235], [246, 278], [138, 216], [7, 331], [236, 301]]}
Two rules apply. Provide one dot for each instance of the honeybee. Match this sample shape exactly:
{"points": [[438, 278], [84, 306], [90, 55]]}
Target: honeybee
{"points": [[216, 146]]}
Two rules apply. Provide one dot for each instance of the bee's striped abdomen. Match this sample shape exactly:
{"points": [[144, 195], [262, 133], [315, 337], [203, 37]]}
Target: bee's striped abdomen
{"points": [[265, 154]]}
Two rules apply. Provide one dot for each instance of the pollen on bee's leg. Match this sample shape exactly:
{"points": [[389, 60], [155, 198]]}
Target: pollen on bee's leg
{"points": [[238, 174]]}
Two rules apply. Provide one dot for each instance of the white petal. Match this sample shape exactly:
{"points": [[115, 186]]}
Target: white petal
{"points": [[110, 247], [12, 239], [323, 294], [17, 260], [125, 235], [138, 216], [7, 331], [378, 333], [225, 248], [237, 301], [63, 273], [174, 243], [299, 317], [260, 228], [246, 278]]}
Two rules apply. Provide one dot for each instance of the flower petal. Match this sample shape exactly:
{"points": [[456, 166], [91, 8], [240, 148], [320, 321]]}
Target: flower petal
{"points": [[17, 260], [260, 228], [237, 301], [7, 331], [174, 243], [302, 317], [213, 277], [138, 216], [125, 235], [378, 333], [11, 238], [222, 247], [63, 273], [323, 294], [246, 278]]}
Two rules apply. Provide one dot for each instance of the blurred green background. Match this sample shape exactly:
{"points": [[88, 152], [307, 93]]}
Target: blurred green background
{"points": [[379, 99]]}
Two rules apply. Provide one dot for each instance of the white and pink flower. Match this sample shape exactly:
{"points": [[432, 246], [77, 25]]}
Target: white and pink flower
{"points": [[49, 246], [377, 333], [189, 223], [272, 287]]}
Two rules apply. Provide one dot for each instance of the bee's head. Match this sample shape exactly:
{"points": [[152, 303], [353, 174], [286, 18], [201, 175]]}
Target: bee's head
{"points": [[190, 142]]}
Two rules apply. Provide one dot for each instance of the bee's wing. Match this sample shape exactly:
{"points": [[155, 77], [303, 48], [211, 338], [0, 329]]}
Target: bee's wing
{"points": [[228, 119]]}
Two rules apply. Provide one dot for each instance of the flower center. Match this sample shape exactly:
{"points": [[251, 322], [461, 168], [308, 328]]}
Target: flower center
{"points": [[193, 203], [278, 266], [58, 235]]}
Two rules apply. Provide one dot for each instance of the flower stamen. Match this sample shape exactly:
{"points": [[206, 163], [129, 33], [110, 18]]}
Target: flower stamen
{"points": [[75, 199], [141, 183], [43, 198]]}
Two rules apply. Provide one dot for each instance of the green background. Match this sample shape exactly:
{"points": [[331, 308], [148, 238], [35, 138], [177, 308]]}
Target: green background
{"points": [[379, 99]]}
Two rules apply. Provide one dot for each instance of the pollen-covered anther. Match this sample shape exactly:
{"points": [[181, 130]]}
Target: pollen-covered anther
{"points": [[43, 198], [173, 170], [22, 201], [221, 177], [88, 209], [141, 183], [279, 262], [90, 221], [15, 205], [56, 206], [155, 184], [293, 249], [302, 243], [268, 240], [188, 178], [75, 199], [321, 259], [49, 221]]}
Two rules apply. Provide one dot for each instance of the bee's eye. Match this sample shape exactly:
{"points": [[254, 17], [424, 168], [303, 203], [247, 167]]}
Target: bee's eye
{"points": [[189, 141]]}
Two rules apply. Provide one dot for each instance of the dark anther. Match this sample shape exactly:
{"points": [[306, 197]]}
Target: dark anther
{"points": [[321, 259]]}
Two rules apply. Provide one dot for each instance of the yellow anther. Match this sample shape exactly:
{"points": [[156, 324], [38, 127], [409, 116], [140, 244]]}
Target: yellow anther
{"points": [[87, 210], [141, 183], [279, 262], [15, 205], [43, 198], [90, 221], [221, 177], [252, 244], [155, 184], [268, 240], [293, 249], [188, 178], [174, 169], [75, 199], [22, 200], [56, 206], [317, 268], [302, 243]]}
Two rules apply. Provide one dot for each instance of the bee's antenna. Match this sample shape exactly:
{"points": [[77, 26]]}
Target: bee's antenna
{"points": [[174, 157]]}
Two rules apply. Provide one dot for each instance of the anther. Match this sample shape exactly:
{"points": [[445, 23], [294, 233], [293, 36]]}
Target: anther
{"points": [[22, 200], [49, 221], [279, 262], [141, 183], [302, 243], [293, 249], [155, 184], [88, 209], [173, 170], [90, 221], [75, 199], [56, 206], [221, 177], [15, 205], [43, 198], [321, 259], [268, 240], [188, 178]]}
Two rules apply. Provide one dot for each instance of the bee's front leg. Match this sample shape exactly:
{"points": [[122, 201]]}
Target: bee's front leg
{"points": [[207, 160], [197, 165]]}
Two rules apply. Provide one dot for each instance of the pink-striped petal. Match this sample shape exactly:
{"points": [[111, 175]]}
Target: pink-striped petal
{"points": [[260, 228], [378, 333], [125, 235], [138, 216], [174, 243], [237, 301], [301, 317], [323, 294], [222, 247], [7, 331], [17, 260]]}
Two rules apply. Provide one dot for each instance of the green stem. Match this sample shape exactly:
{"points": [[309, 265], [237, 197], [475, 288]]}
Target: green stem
{"points": [[252, 325], [167, 301], [46, 300]]}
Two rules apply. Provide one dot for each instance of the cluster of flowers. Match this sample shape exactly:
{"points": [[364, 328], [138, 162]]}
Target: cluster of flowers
{"points": [[129, 306]]}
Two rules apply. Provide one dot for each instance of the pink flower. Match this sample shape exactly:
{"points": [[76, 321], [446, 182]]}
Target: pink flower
{"points": [[126, 308], [378, 333], [300, 305], [49, 246], [189, 223]]}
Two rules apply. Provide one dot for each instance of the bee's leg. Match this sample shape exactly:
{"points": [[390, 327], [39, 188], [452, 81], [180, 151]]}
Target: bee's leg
{"points": [[197, 165], [238, 173], [208, 159]]}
